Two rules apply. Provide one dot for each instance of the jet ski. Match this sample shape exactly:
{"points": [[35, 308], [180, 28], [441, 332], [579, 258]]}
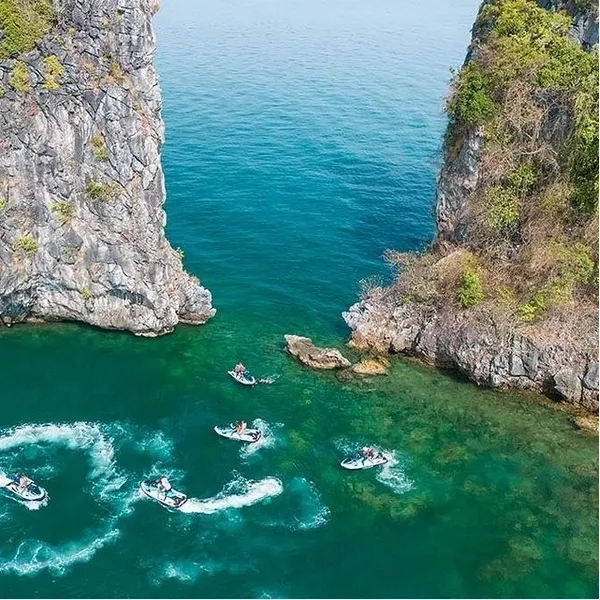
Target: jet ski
{"points": [[244, 378], [173, 500], [29, 493], [358, 461], [248, 435]]}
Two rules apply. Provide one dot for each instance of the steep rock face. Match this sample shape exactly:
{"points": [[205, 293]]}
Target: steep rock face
{"points": [[459, 175], [558, 357], [81, 185]]}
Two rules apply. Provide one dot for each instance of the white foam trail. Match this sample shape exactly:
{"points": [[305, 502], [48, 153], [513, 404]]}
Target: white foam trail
{"points": [[33, 556], [268, 438], [392, 474], [75, 436], [110, 486], [236, 494]]}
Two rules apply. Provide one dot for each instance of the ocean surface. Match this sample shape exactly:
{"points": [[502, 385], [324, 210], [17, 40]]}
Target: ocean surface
{"points": [[302, 140]]}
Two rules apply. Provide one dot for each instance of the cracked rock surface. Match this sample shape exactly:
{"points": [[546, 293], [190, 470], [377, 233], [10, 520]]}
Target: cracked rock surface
{"points": [[81, 185]]}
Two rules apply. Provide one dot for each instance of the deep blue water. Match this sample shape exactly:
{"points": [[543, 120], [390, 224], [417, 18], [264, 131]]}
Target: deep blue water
{"points": [[303, 139]]}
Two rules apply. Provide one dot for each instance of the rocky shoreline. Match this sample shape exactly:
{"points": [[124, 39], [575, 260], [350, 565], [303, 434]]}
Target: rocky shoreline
{"points": [[546, 360], [556, 355]]}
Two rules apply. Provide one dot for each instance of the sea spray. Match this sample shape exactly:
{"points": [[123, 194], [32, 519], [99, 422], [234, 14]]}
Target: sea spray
{"points": [[268, 438], [392, 474]]}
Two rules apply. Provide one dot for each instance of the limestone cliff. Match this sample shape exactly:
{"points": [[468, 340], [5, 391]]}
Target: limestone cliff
{"points": [[508, 292], [81, 185]]}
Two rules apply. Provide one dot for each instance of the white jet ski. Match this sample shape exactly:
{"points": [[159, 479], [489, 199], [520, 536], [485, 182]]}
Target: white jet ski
{"points": [[243, 378], [173, 500], [30, 493], [248, 435], [357, 462]]}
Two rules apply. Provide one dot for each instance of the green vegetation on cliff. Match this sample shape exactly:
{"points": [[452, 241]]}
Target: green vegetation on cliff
{"points": [[531, 91], [528, 69], [23, 23]]}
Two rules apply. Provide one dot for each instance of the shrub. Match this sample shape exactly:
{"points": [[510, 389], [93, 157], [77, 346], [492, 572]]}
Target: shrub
{"points": [[470, 290], [26, 244], [99, 147], [86, 294], [53, 72], [98, 190], [534, 308], [64, 210], [471, 102], [503, 210], [23, 24], [575, 265], [19, 77], [522, 180], [2, 203]]}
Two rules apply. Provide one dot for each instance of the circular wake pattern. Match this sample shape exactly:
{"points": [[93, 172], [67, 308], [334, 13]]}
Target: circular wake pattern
{"points": [[109, 486]]}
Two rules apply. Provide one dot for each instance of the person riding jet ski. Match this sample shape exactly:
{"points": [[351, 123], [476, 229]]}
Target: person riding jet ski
{"points": [[164, 486]]}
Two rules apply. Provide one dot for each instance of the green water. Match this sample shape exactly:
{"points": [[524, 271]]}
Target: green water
{"points": [[302, 140], [489, 495]]}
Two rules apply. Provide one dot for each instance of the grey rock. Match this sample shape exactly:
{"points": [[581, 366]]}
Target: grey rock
{"points": [[468, 342], [317, 358], [590, 380], [111, 265], [568, 384]]}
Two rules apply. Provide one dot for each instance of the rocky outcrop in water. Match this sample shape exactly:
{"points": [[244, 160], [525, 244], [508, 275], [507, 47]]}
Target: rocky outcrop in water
{"points": [[370, 366], [310, 355], [81, 185]]}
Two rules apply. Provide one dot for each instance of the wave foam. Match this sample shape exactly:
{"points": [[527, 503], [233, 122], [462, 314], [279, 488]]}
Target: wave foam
{"points": [[392, 474], [112, 487], [236, 494], [268, 438], [33, 556]]}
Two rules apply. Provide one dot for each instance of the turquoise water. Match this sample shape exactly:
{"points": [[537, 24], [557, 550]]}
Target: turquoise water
{"points": [[302, 140]]}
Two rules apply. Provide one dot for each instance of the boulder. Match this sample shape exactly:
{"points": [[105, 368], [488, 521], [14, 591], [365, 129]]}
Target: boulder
{"points": [[568, 384], [311, 356], [370, 366]]}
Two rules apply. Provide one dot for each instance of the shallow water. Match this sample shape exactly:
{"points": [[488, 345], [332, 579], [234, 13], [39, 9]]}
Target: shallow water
{"points": [[302, 140]]}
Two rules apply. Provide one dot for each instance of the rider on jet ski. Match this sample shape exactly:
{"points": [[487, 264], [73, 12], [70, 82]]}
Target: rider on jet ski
{"points": [[22, 481], [241, 370], [163, 485], [367, 453]]}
